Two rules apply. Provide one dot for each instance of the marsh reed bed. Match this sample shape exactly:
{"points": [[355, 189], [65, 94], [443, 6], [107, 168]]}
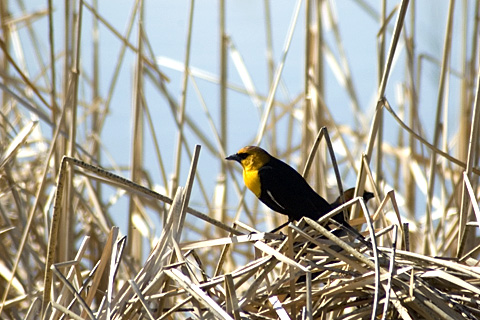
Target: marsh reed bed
{"points": [[170, 232]]}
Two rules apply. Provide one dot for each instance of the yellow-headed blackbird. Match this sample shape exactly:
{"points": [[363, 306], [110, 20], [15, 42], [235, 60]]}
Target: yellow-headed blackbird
{"points": [[282, 188]]}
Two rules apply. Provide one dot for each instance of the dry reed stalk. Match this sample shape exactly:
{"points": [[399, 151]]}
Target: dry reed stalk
{"points": [[278, 74], [134, 240], [437, 126], [472, 149]]}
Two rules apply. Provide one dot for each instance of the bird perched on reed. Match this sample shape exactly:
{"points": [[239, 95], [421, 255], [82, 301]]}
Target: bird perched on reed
{"points": [[282, 188]]}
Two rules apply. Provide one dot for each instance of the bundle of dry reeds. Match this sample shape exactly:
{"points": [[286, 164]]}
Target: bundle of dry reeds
{"points": [[193, 250]]}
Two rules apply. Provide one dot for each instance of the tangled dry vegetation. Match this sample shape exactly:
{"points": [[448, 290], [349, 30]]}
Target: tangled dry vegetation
{"points": [[64, 256]]}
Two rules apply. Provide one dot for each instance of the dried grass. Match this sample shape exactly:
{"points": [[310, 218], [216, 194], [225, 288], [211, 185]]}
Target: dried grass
{"points": [[62, 255]]}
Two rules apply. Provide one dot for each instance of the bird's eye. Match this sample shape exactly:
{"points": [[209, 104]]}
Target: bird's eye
{"points": [[242, 155]]}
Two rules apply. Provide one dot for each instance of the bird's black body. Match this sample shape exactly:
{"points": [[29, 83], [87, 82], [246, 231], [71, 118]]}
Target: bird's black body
{"points": [[284, 190]]}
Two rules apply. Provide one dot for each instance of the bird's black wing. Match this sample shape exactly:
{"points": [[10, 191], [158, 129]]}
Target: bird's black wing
{"points": [[284, 190], [274, 189]]}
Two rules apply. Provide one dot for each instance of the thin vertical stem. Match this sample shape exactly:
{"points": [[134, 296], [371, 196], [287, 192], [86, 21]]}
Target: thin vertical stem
{"points": [[221, 196], [308, 103], [438, 128], [95, 85], [381, 66], [53, 80], [410, 179], [4, 15], [134, 243], [70, 105], [269, 42], [471, 160], [278, 74], [183, 102], [270, 67]]}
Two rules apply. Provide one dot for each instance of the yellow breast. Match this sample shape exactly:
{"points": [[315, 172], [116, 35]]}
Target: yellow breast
{"points": [[252, 181]]}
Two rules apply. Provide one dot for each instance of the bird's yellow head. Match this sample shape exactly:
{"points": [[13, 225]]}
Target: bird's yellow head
{"points": [[251, 158]]}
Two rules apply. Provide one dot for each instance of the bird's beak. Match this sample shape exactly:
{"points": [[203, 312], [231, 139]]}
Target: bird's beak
{"points": [[234, 157]]}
